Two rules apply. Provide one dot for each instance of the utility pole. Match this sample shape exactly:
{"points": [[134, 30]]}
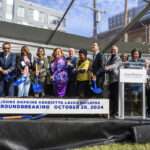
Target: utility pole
{"points": [[126, 19], [94, 20], [96, 17], [145, 26], [148, 37]]}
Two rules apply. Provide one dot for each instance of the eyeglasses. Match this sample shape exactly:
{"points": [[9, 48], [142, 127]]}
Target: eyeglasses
{"points": [[7, 48]]}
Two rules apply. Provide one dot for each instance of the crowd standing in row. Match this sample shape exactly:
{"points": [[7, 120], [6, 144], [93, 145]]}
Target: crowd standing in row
{"points": [[69, 76]]}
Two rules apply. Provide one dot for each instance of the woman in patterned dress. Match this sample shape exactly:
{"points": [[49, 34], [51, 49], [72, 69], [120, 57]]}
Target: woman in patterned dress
{"points": [[59, 73]]}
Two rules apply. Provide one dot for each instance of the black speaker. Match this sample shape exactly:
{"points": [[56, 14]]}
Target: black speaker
{"points": [[141, 133]]}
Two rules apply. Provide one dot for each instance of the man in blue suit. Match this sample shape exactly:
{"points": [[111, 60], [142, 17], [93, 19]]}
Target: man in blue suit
{"points": [[7, 70]]}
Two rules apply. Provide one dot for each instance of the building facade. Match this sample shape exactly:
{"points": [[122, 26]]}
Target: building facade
{"points": [[28, 13], [117, 21], [140, 33], [141, 2]]}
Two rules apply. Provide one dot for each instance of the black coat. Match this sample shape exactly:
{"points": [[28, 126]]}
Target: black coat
{"points": [[98, 69], [98, 65]]}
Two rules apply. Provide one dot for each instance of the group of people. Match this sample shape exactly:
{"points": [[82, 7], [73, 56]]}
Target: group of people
{"points": [[22, 74], [69, 75]]}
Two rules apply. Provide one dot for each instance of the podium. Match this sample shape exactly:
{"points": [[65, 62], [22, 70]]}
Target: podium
{"points": [[132, 78]]}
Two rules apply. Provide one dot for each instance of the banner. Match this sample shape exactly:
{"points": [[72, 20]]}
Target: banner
{"points": [[133, 75], [53, 106]]}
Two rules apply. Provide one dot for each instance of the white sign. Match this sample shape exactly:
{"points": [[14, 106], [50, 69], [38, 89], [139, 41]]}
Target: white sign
{"points": [[133, 75], [53, 106]]}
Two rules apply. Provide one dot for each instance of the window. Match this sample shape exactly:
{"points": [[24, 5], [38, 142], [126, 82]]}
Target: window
{"points": [[50, 19], [9, 9], [9, 14], [20, 11], [9, 2], [1, 9], [112, 22], [30, 14], [36, 15], [53, 20], [42, 17], [133, 13], [110, 26], [122, 19], [1, 3], [117, 20]]}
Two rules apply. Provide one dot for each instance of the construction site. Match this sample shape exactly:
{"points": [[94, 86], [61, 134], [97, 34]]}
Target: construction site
{"points": [[98, 103]]}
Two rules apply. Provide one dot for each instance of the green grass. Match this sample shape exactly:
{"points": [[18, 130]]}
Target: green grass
{"points": [[119, 147]]}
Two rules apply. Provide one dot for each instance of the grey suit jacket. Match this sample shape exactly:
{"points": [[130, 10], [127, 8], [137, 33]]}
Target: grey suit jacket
{"points": [[114, 64]]}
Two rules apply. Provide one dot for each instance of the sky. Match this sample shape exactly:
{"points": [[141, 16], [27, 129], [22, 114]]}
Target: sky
{"points": [[79, 20]]}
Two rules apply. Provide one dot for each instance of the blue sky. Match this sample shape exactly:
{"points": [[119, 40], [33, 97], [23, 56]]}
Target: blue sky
{"points": [[79, 19]]}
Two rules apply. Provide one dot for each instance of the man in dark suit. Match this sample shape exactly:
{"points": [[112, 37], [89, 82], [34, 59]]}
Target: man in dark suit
{"points": [[7, 70], [98, 65]]}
